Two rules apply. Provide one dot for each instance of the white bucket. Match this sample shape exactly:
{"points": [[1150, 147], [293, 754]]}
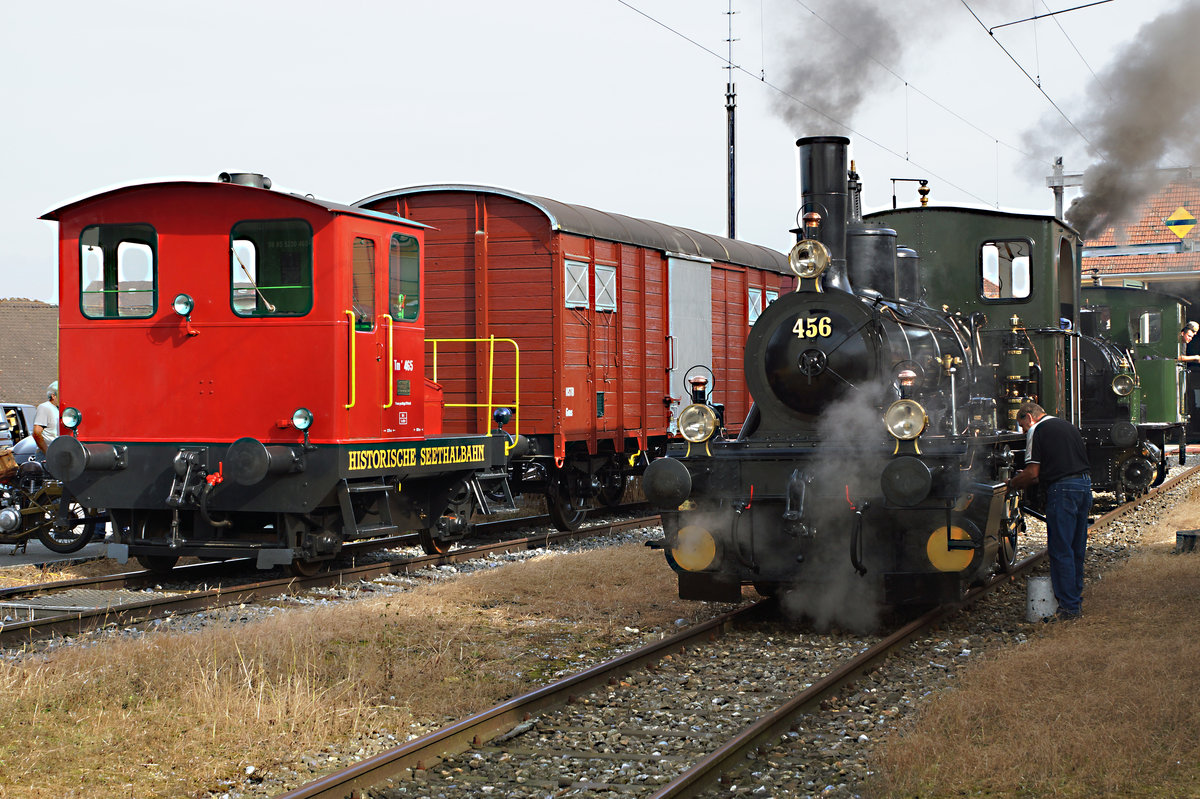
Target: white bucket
{"points": [[1040, 602]]}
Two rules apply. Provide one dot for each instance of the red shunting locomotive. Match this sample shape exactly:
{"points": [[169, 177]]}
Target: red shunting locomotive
{"points": [[245, 376]]}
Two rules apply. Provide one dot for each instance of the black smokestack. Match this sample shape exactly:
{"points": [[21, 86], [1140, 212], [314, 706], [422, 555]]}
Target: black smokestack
{"points": [[823, 189], [1148, 112]]}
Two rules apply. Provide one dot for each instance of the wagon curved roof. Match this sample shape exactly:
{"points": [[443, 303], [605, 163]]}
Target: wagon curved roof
{"points": [[308, 199], [585, 221]]}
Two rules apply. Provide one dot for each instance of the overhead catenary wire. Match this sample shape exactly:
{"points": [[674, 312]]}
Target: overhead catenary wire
{"points": [[1025, 72], [866, 53], [1071, 42], [783, 92]]}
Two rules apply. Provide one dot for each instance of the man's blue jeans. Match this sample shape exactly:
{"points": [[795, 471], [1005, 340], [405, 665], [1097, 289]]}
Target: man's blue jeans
{"points": [[1067, 504]]}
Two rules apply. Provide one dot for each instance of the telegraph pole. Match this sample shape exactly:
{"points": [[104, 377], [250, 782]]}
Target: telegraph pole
{"points": [[730, 112]]}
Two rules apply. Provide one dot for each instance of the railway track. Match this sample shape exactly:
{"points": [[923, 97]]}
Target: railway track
{"points": [[660, 721], [126, 610]]}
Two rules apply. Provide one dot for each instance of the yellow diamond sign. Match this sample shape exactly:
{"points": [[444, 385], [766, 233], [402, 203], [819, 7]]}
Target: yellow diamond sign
{"points": [[1180, 222]]}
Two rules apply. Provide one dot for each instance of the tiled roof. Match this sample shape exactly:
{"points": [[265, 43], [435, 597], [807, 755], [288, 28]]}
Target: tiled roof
{"points": [[1161, 262], [1148, 227], [29, 357]]}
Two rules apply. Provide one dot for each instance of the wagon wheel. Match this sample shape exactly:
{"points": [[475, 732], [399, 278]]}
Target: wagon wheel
{"points": [[1012, 528], [148, 526], [564, 506], [303, 567], [454, 523], [612, 486], [65, 529]]}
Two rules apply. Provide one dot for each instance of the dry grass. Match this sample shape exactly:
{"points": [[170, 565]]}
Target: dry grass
{"points": [[15, 576], [1105, 706], [173, 714]]}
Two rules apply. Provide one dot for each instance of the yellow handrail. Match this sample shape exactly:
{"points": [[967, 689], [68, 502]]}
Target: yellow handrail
{"points": [[353, 376], [390, 362], [491, 404]]}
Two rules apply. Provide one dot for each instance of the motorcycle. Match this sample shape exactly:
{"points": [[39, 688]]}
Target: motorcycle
{"points": [[33, 504]]}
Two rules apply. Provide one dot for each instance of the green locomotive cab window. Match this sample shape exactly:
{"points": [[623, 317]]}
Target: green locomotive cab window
{"points": [[404, 278], [118, 271], [1149, 327], [362, 285], [270, 268], [1004, 270]]}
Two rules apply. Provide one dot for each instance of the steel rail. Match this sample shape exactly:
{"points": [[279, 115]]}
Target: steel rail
{"points": [[208, 570], [708, 769], [428, 750], [190, 572], [160, 607]]}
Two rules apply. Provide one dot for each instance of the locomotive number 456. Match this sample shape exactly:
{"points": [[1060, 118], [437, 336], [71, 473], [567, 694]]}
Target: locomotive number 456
{"points": [[813, 328]]}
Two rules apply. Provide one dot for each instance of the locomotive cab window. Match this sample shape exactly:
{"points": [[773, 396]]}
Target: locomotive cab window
{"points": [[1004, 270], [270, 263], [362, 285], [404, 278], [1149, 327], [118, 271]]}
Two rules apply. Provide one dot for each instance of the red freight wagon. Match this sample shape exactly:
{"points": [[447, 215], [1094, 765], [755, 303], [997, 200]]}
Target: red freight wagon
{"points": [[609, 314]]}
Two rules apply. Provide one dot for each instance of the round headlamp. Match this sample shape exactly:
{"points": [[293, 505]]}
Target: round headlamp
{"points": [[697, 423], [808, 258], [183, 304], [695, 548], [906, 419], [71, 417], [1122, 385], [302, 418]]}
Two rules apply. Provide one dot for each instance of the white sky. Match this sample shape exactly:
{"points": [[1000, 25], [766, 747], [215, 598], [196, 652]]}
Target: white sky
{"points": [[584, 101]]}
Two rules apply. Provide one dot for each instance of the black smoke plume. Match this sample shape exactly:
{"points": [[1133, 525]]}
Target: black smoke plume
{"points": [[829, 74], [1146, 113]]}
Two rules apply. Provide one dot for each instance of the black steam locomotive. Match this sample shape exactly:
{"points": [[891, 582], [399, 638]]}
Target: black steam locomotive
{"points": [[871, 470]]}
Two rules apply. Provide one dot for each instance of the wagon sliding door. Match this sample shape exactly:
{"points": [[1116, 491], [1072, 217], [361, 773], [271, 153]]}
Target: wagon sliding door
{"points": [[690, 330]]}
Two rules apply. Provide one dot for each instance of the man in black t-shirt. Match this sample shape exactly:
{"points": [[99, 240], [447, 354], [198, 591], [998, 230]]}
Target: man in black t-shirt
{"points": [[1056, 458]]}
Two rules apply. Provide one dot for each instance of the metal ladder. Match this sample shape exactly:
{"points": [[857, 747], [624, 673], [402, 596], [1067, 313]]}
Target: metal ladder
{"points": [[486, 482]]}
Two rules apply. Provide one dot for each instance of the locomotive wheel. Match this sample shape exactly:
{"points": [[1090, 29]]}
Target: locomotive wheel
{"points": [[1012, 528], [566, 511], [432, 545], [459, 505], [64, 530], [159, 564]]}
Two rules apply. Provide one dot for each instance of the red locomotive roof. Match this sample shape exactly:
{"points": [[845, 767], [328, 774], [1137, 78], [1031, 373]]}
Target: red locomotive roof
{"points": [[332, 207], [585, 221]]}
